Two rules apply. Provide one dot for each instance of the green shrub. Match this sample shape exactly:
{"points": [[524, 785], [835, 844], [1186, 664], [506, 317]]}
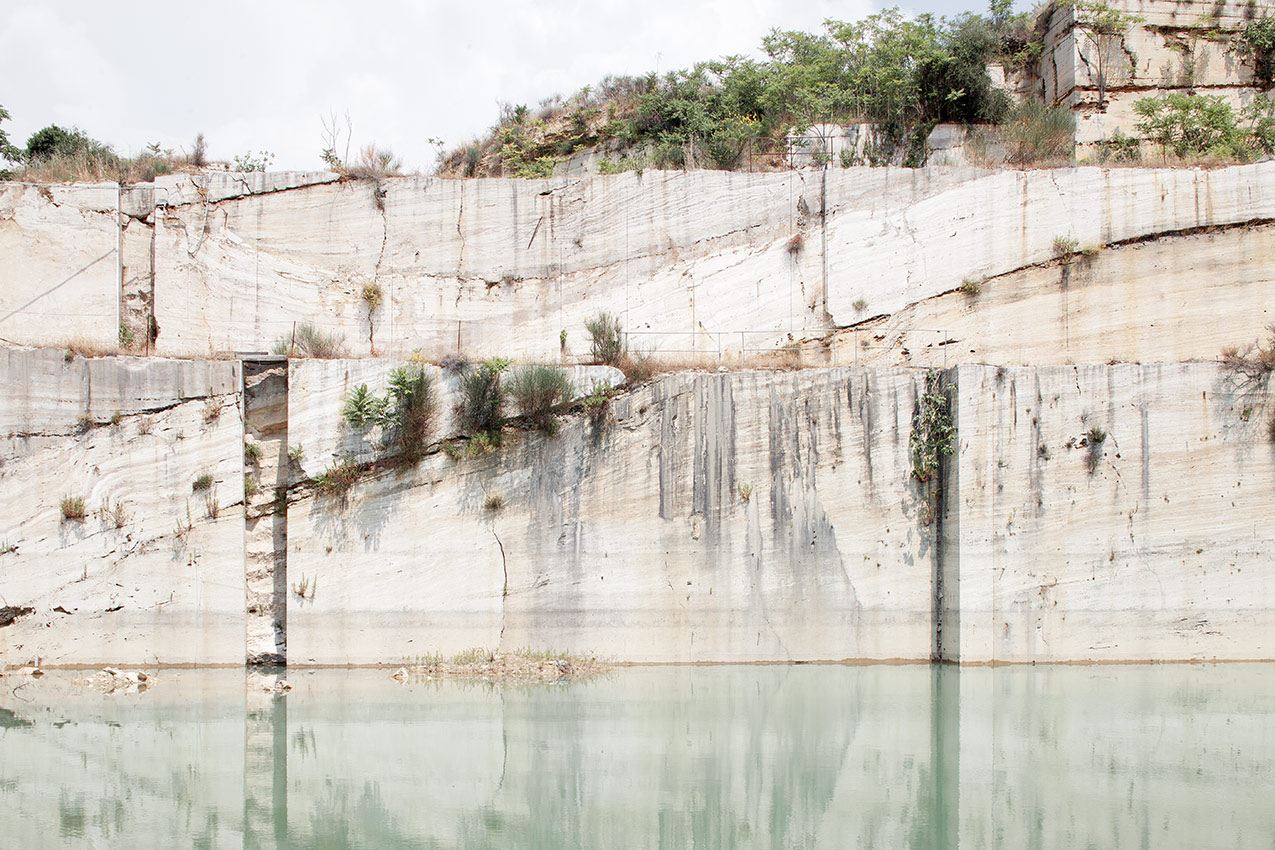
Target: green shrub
{"points": [[482, 397], [203, 482], [408, 412], [1065, 246], [606, 339], [309, 341], [372, 295], [1191, 125], [1259, 37], [363, 407], [252, 453], [536, 390]]}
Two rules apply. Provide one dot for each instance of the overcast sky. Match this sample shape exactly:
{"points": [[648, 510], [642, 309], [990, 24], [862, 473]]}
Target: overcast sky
{"points": [[260, 75]]}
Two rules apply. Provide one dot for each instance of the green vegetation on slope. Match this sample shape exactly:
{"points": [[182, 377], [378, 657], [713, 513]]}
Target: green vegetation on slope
{"points": [[904, 74]]}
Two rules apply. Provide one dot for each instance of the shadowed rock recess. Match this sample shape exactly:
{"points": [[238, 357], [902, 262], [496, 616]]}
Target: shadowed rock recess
{"points": [[222, 510]]}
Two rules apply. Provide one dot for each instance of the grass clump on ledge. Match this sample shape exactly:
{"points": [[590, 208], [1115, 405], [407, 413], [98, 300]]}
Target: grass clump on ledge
{"points": [[338, 479], [537, 390], [73, 509], [309, 341]]}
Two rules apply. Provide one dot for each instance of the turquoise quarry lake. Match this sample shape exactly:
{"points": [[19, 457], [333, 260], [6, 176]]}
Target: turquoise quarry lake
{"points": [[807, 756]]}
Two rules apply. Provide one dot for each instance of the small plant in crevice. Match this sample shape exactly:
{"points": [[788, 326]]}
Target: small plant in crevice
{"points": [[127, 338], [212, 410], [795, 243], [972, 286], [860, 304], [1065, 246], [305, 587], [212, 508], [115, 514], [537, 390], [371, 295], [144, 425], [482, 397], [184, 528], [494, 501], [745, 492], [250, 487], [252, 453], [1094, 439], [597, 403], [116, 418], [73, 509], [202, 482], [296, 453], [338, 479], [83, 423], [606, 339]]}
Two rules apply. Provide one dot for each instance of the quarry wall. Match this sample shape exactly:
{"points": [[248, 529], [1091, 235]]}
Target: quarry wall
{"points": [[706, 263], [711, 516]]}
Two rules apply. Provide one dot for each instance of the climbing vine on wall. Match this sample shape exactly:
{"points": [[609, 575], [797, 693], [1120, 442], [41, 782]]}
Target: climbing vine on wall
{"points": [[933, 433]]}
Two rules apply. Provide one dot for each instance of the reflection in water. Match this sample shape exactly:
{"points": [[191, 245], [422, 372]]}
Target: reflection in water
{"points": [[709, 757]]}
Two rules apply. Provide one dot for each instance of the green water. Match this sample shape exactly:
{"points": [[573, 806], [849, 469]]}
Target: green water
{"points": [[676, 757]]}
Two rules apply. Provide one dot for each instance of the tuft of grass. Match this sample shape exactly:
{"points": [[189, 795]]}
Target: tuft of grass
{"points": [[212, 410], [338, 479], [309, 341], [84, 348], [1090, 251], [296, 453], [494, 501], [115, 514], [73, 509], [83, 422], [374, 164], [860, 304], [537, 390], [606, 339], [305, 588], [250, 487], [1035, 134], [203, 482], [251, 453], [1065, 246], [745, 492], [144, 425], [117, 418], [972, 286]]}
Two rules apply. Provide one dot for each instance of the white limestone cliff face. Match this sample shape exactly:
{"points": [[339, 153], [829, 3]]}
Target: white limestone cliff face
{"points": [[715, 517], [705, 262], [154, 572], [1176, 298], [1161, 552]]}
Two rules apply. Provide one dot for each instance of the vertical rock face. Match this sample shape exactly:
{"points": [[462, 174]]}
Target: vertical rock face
{"points": [[1109, 513], [706, 517], [265, 397], [698, 262], [122, 485]]}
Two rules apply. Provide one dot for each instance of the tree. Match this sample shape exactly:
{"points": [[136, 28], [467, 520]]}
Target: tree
{"points": [[7, 150], [1104, 27]]}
